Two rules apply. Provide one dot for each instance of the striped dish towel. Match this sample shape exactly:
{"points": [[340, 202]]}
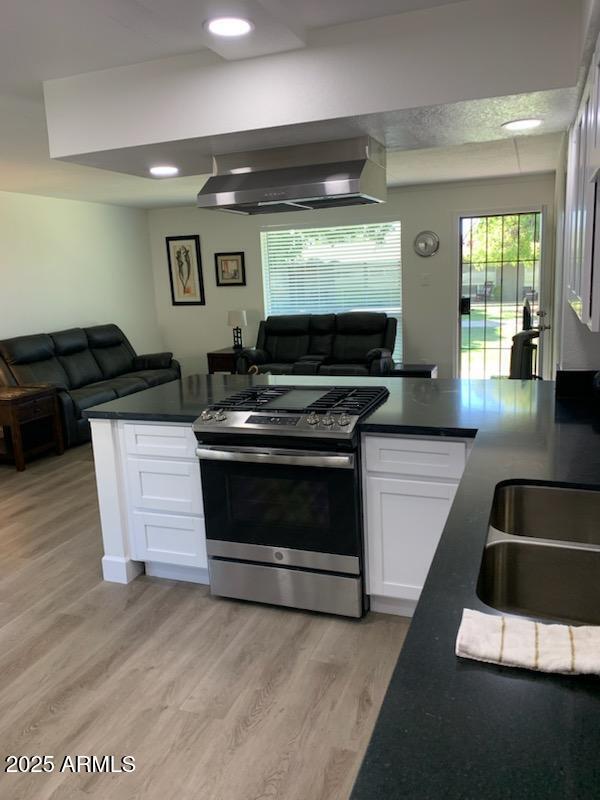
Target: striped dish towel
{"points": [[518, 642]]}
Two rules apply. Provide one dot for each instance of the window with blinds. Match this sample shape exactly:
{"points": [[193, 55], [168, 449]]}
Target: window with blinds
{"points": [[330, 270]]}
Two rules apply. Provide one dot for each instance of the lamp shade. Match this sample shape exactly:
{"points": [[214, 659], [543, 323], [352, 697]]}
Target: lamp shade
{"points": [[237, 319]]}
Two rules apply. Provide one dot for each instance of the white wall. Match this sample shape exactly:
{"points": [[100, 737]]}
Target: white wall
{"points": [[430, 286], [66, 264]]}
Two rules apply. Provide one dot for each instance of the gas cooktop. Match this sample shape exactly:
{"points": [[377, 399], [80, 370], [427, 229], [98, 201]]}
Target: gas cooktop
{"points": [[292, 410]]}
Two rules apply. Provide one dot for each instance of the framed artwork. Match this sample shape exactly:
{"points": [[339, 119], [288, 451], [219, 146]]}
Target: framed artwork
{"points": [[185, 270], [230, 269]]}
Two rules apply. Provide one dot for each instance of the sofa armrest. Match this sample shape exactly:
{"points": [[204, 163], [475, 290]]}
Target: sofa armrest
{"points": [[249, 357], [380, 361], [153, 361]]}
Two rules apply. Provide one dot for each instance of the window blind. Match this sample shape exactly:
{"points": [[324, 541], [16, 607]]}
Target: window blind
{"points": [[330, 270]]}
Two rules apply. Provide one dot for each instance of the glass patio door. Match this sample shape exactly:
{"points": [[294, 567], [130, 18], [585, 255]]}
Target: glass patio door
{"points": [[500, 270]]}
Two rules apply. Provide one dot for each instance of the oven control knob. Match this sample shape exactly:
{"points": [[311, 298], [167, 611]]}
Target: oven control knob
{"points": [[206, 415], [328, 420], [220, 416], [313, 419], [343, 420]]}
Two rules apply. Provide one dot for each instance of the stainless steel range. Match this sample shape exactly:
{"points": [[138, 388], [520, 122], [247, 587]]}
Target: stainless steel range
{"points": [[282, 496]]}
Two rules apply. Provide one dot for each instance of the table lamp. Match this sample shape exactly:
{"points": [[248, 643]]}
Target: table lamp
{"points": [[237, 320]]}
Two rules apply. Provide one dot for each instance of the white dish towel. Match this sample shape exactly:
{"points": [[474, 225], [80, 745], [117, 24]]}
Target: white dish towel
{"points": [[517, 642]]}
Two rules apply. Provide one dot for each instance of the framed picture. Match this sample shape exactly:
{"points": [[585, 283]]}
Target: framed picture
{"points": [[185, 270], [231, 269]]}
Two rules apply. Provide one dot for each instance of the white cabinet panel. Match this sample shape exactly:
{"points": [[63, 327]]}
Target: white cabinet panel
{"points": [[405, 520], [419, 457], [169, 539], [169, 441], [165, 485]]}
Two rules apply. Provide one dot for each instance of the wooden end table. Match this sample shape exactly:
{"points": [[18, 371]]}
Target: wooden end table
{"points": [[22, 408], [222, 360]]}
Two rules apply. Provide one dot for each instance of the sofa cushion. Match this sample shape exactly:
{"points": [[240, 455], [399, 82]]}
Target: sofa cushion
{"points": [[72, 349], [322, 329], [111, 349], [31, 360], [154, 377], [305, 367], [105, 335], [27, 349], [276, 369], [113, 361], [356, 334], [287, 337], [125, 384], [287, 325], [92, 395], [343, 369], [361, 322]]}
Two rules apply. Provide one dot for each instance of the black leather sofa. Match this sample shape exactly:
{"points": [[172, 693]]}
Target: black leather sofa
{"points": [[354, 343], [87, 365]]}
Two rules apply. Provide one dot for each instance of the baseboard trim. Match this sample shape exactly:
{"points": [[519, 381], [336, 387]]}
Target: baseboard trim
{"points": [[393, 605], [117, 569], [176, 572]]}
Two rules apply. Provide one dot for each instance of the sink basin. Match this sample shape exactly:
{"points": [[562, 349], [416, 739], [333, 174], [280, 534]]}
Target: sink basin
{"points": [[542, 556], [539, 580], [546, 511]]}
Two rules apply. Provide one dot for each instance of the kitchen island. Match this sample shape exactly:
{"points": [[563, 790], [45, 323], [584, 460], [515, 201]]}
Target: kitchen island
{"points": [[450, 728]]}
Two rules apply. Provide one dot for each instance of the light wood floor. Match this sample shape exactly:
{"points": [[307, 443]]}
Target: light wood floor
{"points": [[215, 699]]}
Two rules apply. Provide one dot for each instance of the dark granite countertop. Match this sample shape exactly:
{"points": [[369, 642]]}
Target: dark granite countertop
{"points": [[452, 728]]}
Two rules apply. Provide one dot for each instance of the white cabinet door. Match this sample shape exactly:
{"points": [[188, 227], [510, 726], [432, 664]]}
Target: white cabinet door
{"points": [[162, 485], [405, 520], [169, 539]]}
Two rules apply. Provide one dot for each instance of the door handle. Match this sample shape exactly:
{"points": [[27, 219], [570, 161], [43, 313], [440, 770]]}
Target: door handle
{"points": [[465, 305], [292, 458]]}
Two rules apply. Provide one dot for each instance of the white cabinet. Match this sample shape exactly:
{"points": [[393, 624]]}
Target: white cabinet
{"points": [[582, 231], [409, 485], [169, 539], [164, 498]]}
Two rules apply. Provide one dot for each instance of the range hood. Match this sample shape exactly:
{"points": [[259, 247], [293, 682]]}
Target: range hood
{"points": [[325, 175]]}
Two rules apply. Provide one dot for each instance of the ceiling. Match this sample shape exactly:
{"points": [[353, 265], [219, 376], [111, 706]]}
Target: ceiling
{"points": [[45, 40]]}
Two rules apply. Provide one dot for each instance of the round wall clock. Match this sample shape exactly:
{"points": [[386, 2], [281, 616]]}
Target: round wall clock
{"points": [[426, 243]]}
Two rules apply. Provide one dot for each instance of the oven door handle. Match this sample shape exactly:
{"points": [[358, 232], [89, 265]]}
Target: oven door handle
{"points": [[296, 458]]}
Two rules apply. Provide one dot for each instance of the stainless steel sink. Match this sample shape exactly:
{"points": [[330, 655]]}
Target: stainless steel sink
{"points": [[542, 556], [546, 511]]}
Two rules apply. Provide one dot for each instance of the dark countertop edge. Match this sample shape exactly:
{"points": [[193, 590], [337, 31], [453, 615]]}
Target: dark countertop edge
{"points": [[363, 427], [139, 416], [416, 430]]}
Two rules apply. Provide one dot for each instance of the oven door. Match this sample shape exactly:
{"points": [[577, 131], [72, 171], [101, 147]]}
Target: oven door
{"points": [[283, 507]]}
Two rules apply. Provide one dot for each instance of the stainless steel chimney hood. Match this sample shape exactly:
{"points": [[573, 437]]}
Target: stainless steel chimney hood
{"points": [[325, 175]]}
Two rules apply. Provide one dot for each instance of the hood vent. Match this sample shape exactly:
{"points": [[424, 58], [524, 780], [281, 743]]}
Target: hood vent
{"points": [[328, 175]]}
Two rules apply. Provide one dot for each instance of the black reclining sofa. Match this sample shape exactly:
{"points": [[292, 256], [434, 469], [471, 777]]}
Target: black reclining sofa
{"points": [[87, 365], [354, 343]]}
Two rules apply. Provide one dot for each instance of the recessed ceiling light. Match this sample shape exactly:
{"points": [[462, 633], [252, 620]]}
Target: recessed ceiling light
{"points": [[164, 171], [522, 124], [229, 26]]}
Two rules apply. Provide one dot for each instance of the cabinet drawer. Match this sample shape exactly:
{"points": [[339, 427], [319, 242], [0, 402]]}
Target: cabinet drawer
{"points": [[169, 539], [176, 441], [34, 409], [165, 485], [415, 457]]}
